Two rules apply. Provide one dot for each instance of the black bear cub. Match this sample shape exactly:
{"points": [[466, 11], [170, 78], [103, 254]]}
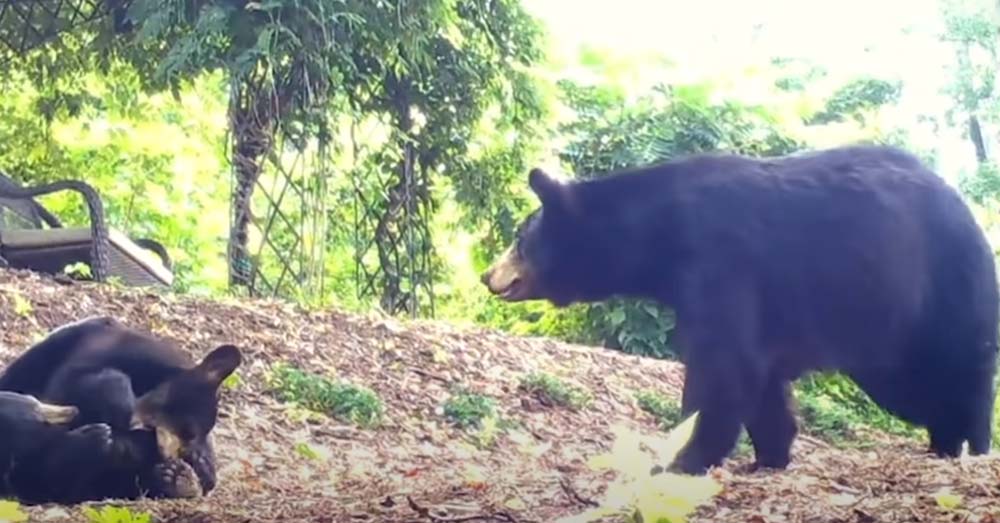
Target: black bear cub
{"points": [[160, 405], [858, 259], [37, 448]]}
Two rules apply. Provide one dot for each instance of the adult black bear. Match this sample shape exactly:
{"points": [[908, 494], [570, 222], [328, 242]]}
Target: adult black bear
{"points": [[37, 448], [856, 258], [132, 381]]}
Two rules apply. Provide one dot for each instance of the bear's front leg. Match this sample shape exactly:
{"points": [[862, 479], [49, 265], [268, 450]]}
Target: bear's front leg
{"points": [[723, 394], [725, 367]]}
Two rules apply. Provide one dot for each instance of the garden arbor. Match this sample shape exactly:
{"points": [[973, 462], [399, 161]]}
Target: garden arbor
{"points": [[308, 78]]}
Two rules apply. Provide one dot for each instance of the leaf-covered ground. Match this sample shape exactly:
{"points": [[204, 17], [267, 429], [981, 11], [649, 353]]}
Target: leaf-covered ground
{"points": [[416, 467]]}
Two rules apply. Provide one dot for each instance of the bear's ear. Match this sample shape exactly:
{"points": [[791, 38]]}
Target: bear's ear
{"points": [[549, 190], [219, 364]]}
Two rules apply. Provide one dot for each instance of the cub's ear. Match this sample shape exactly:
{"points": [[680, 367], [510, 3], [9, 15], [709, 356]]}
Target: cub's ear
{"points": [[219, 364], [549, 190]]}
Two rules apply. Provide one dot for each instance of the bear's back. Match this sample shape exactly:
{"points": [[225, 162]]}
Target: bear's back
{"points": [[92, 345]]}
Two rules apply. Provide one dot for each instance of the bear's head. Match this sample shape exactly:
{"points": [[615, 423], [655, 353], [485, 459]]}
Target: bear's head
{"points": [[566, 251], [183, 410]]}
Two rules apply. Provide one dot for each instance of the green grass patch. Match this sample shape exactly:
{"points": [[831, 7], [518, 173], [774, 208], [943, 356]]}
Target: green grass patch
{"points": [[666, 411], [469, 410], [344, 401], [833, 408], [551, 390], [110, 514]]}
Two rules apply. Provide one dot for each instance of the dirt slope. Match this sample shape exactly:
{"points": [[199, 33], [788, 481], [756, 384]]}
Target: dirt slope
{"points": [[417, 468]]}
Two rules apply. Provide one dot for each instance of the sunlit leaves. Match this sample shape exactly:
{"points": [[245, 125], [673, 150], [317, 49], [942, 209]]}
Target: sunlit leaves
{"points": [[973, 29], [10, 512], [638, 496]]}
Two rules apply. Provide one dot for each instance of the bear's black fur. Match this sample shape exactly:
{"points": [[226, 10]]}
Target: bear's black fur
{"points": [[858, 259], [37, 448], [160, 405]]}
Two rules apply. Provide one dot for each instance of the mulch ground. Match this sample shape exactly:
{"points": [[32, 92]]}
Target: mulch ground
{"points": [[416, 467]]}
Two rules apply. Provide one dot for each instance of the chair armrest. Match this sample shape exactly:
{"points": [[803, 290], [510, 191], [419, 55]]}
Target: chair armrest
{"points": [[98, 226], [156, 247]]}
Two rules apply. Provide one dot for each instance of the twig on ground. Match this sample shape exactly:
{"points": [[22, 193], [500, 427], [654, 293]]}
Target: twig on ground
{"points": [[426, 512], [430, 375], [575, 496], [816, 442]]}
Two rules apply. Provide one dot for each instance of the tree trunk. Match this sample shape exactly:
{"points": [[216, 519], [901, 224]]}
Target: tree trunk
{"points": [[253, 124], [976, 135]]}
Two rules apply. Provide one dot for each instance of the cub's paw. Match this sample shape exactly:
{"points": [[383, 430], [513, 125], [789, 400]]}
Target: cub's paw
{"points": [[95, 436], [175, 479]]}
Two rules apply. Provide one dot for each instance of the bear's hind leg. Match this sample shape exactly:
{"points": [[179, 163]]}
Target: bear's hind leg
{"points": [[945, 438], [980, 428], [966, 414]]}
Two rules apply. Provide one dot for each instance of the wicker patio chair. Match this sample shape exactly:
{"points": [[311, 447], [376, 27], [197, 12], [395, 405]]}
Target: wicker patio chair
{"points": [[32, 238]]}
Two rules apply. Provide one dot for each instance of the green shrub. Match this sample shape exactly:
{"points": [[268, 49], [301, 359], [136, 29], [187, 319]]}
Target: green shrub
{"points": [[551, 390], [344, 401], [666, 411], [466, 409]]}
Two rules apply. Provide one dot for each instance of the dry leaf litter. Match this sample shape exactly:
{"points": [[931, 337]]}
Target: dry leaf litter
{"points": [[416, 467]]}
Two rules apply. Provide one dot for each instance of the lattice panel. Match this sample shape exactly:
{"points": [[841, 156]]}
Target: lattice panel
{"points": [[27, 24]]}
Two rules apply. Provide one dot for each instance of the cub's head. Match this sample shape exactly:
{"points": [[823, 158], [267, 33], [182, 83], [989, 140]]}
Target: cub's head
{"points": [[560, 251], [183, 411]]}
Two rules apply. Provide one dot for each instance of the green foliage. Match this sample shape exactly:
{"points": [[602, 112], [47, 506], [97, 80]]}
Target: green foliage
{"points": [[451, 80], [233, 381], [155, 161], [947, 500], [344, 401], [666, 411], [551, 390], [856, 99], [489, 430], [982, 186], [306, 450], [572, 324], [298, 41], [78, 270], [828, 418], [634, 326], [834, 408], [466, 409], [795, 75], [972, 27], [111, 514], [637, 497], [22, 306]]}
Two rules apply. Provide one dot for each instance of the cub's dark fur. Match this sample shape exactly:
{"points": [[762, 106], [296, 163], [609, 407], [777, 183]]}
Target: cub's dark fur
{"points": [[160, 405], [37, 448], [857, 259]]}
